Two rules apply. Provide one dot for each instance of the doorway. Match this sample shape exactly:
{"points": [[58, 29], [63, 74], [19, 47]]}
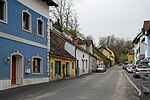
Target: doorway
{"points": [[16, 69]]}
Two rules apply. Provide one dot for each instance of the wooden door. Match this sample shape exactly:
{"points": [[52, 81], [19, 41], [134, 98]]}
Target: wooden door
{"points": [[13, 79]]}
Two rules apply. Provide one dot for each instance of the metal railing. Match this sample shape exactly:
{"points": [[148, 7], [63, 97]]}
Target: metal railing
{"points": [[145, 87]]}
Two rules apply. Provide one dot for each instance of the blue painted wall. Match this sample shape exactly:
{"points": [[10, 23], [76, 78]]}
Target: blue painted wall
{"points": [[27, 51], [148, 46], [14, 27]]}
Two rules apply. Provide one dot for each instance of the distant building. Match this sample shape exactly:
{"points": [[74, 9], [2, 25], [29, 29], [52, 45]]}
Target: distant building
{"points": [[130, 56], [108, 53]]}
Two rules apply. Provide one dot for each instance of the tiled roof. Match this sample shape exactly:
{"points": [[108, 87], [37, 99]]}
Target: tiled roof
{"points": [[88, 42], [56, 50], [57, 33], [98, 57]]}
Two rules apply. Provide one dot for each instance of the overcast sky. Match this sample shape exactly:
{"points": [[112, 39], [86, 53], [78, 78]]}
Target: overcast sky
{"points": [[123, 18]]}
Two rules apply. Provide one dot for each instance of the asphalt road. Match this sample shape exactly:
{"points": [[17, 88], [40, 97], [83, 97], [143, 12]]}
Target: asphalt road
{"points": [[111, 85]]}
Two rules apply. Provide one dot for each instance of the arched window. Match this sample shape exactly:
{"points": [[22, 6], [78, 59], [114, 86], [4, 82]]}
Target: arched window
{"points": [[3, 11], [37, 64]]}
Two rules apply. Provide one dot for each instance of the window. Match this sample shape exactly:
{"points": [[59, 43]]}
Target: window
{"points": [[26, 21], [40, 27], [37, 65], [72, 65], [3, 11]]}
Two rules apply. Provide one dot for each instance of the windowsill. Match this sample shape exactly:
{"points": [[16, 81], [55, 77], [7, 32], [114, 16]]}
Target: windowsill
{"points": [[29, 31], [37, 73], [42, 36], [3, 21]]}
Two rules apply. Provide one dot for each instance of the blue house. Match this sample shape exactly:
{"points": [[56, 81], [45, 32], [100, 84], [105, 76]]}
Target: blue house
{"points": [[24, 42], [146, 31]]}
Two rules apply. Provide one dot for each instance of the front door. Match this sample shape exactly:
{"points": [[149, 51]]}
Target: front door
{"points": [[13, 79], [67, 69]]}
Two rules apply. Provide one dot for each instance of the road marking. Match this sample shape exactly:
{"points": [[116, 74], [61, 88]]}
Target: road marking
{"points": [[139, 91]]}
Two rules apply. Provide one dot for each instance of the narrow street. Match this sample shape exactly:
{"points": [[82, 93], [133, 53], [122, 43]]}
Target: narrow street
{"points": [[111, 85]]}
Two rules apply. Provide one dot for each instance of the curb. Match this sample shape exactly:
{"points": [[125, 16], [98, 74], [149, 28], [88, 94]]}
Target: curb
{"points": [[139, 91]]}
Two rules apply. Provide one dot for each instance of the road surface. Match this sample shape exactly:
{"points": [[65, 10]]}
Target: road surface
{"points": [[111, 85]]}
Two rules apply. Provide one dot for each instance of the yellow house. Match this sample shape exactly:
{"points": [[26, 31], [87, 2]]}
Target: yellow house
{"points": [[108, 53], [62, 64], [130, 56]]}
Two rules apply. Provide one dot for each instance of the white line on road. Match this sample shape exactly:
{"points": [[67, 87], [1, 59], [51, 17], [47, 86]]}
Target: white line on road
{"points": [[139, 91]]}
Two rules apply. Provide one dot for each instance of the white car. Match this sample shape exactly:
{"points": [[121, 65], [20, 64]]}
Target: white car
{"points": [[130, 68], [100, 68], [141, 70]]}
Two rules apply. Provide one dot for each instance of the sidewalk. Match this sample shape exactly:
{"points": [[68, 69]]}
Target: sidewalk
{"points": [[125, 90]]}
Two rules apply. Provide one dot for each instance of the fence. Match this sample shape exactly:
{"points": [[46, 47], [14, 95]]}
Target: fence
{"points": [[145, 87]]}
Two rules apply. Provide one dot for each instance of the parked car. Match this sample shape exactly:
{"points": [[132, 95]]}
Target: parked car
{"points": [[130, 68], [141, 69], [100, 68], [124, 65]]}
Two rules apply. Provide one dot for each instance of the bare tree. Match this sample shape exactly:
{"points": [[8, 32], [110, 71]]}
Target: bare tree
{"points": [[65, 16], [118, 45]]}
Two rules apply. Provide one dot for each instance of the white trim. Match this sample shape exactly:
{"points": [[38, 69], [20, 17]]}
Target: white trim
{"points": [[40, 19], [5, 13], [30, 21], [41, 64], [15, 54], [22, 40]]}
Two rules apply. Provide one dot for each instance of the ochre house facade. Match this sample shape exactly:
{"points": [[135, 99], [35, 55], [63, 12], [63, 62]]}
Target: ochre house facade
{"points": [[62, 67]]}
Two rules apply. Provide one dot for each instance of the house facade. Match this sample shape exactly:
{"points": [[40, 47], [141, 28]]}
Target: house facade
{"points": [[130, 56], [25, 42], [139, 47], [62, 64], [146, 31], [109, 54], [88, 45], [82, 55]]}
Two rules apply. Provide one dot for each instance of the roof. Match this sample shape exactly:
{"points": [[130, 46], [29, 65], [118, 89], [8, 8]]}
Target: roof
{"points": [[50, 3], [102, 47], [98, 57], [137, 38], [131, 52], [88, 42], [57, 50], [57, 33], [146, 26]]}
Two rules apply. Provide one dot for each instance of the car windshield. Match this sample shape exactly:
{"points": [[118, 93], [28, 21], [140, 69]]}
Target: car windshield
{"points": [[143, 66]]}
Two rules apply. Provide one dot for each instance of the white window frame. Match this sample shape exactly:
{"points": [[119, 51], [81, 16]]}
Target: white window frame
{"points": [[30, 21], [42, 27], [5, 13], [41, 64]]}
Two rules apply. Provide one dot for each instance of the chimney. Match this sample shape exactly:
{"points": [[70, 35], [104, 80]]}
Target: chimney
{"points": [[75, 40]]}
